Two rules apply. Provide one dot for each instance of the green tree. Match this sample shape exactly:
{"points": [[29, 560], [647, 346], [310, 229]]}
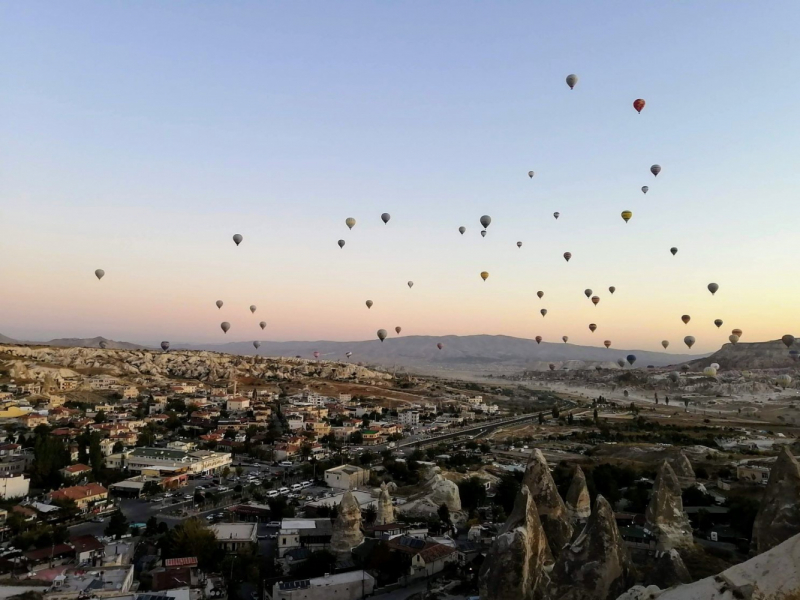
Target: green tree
{"points": [[150, 488], [152, 526], [100, 417], [444, 514], [369, 514], [472, 493], [193, 538], [117, 525], [554, 412], [239, 471], [316, 565], [49, 457], [506, 492]]}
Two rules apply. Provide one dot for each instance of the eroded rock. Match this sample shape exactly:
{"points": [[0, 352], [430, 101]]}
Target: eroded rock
{"points": [[778, 516], [552, 510]]}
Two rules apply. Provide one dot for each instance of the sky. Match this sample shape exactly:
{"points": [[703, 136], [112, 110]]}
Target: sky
{"points": [[138, 138]]}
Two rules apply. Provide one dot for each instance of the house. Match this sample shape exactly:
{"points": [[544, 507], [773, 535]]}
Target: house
{"points": [[32, 420], [346, 477], [409, 418], [239, 404], [752, 473], [14, 486], [75, 471], [371, 437], [88, 549], [86, 497], [305, 534], [427, 557], [99, 582], [351, 585], [234, 536]]}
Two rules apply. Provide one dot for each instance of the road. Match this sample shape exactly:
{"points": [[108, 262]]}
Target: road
{"points": [[471, 431]]}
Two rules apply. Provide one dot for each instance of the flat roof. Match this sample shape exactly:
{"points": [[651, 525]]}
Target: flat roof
{"points": [[237, 532], [166, 453]]}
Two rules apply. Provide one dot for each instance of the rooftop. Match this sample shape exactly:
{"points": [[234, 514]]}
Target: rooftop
{"points": [[162, 453], [236, 532]]}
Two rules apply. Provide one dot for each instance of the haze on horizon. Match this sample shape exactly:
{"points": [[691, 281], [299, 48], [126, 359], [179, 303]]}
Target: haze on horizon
{"points": [[138, 139]]}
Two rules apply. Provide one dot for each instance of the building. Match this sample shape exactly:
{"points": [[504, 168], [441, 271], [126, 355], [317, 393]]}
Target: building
{"points": [[339, 586], [409, 418], [14, 486], [233, 536], [239, 404], [308, 534], [90, 497], [427, 557], [101, 582], [200, 462], [752, 473], [346, 477], [75, 471], [88, 549]]}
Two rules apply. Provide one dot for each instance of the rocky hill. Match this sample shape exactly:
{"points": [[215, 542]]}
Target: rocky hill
{"points": [[76, 343], [755, 355]]}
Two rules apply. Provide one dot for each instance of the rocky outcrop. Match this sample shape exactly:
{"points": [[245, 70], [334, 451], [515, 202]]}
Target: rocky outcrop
{"points": [[597, 565], [778, 517], [552, 511], [514, 566], [347, 527], [683, 470], [385, 512], [436, 490], [578, 503], [665, 515], [669, 570]]}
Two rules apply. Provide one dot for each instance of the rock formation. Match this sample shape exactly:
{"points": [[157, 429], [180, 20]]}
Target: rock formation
{"points": [[552, 511], [578, 503], [683, 470], [514, 565], [436, 490], [597, 565], [778, 517], [669, 570], [347, 527], [665, 514], [385, 509]]}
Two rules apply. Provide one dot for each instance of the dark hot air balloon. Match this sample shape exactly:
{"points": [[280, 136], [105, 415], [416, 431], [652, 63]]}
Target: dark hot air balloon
{"points": [[607, 343], [567, 256], [595, 300], [381, 334], [165, 346], [237, 239], [592, 327], [385, 217], [638, 104], [538, 339], [686, 319], [718, 322]]}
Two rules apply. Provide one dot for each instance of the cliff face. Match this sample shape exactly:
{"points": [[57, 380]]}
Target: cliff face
{"points": [[578, 503], [597, 565], [743, 355], [684, 471], [436, 490], [552, 510], [665, 514], [514, 565], [347, 527], [778, 516]]}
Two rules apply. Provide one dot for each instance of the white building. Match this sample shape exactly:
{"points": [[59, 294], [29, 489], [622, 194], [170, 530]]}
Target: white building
{"points": [[199, 462], [14, 487], [346, 477], [409, 418], [233, 536], [352, 585]]}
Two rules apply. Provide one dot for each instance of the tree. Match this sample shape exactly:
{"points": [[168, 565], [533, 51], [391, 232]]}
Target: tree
{"points": [[444, 514], [150, 488], [317, 564], [100, 417], [239, 471], [486, 448], [226, 472], [506, 492], [49, 457], [193, 538], [554, 412], [541, 418], [118, 447], [369, 514], [117, 525], [472, 493], [152, 526]]}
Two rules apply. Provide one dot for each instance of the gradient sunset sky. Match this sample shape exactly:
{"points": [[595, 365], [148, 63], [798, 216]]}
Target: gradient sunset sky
{"points": [[139, 137]]}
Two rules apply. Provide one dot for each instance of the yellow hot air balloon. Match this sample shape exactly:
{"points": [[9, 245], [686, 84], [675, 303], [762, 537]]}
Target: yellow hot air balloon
{"points": [[484, 275], [626, 215]]}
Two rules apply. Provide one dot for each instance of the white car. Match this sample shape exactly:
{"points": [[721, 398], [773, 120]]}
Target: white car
{"points": [[283, 491]]}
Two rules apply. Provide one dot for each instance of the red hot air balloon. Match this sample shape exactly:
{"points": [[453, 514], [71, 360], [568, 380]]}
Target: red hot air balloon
{"points": [[316, 354], [607, 343], [592, 327], [638, 104], [595, 300], [440, 345], [538, 339]]}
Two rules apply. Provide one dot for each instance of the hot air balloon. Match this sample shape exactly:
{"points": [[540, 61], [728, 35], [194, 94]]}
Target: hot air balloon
{"points": [[612, 289], [341, 243], [737, 332], [631, 358], [626, 215], [462, 229], [103, 344], [225, 326], [607, 343], [385, 217], [710, 372], [237, 239], [398, 330], [484, 275], [788, 340], [565, 338], [674, 250], [543, 311], [638, 104], [595, 300], [257, 344], [350, 222], [252, 308], [572, 79], [689, 341], [621, 363], [718, 322], [486, 220], [567, 256], [440, 345], [410, 284], [348, 354], [538, 339], [645, 189], [655, 170], [592, 327], [519, 244], [714, 366], [263, 324], [556, 215], [552, 367], [733, 339], [316, 354], [369, 303], [219, 303], [665, 343], [99, 273], [165, 346], [587, 292], [784, 381], [540, 293], [483, 233], [531, 174], [686, 319], [381, 334], [674, 376], [713, 287]]}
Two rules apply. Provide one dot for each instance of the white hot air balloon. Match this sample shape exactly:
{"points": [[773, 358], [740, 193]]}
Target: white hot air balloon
{"points": [[572, 81], [710, 372]]}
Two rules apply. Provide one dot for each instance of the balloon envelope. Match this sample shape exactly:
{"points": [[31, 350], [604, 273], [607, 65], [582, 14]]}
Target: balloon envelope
{"points": [[410, 284], [718, 322], [103, 344], [595, 300], [385, 217], [237, 239], [519, 244], [732, 338], [350, 222], [612, 289], [631, 358], [655, 170], [673, 250], [710, 372], [784, 381], [788, 340], [262, 324], [316, 354], [531, 174], [540, 293], [645, 189], [713, 287], [219, 303], [252, 308], [587, 292], [567, 256], [398, 329], [543, 311], [257, 344], [538, 339], [626, 215], [341, 243], [486, 220], [686, 319], [737, 332], [225, 326], [638, 104], [592, 327], [552, 367], [165, 345], [689, 341], [381, 334], [440, 345], [675, 376], [99, 273], [483, 233], [572, 79], [462, 229], [348, 354], [565, 338], [556, 215], [665, 343], [607, 343], [369, 303], [621, 363], [484, 275]]}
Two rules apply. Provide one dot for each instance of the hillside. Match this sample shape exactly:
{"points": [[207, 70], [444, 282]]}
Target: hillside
{"points": [[755, 355], [76, 343]]}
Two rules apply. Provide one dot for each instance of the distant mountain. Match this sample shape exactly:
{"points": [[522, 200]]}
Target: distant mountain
{"points": [[755, 355], [473, 353], [76, 343]]}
